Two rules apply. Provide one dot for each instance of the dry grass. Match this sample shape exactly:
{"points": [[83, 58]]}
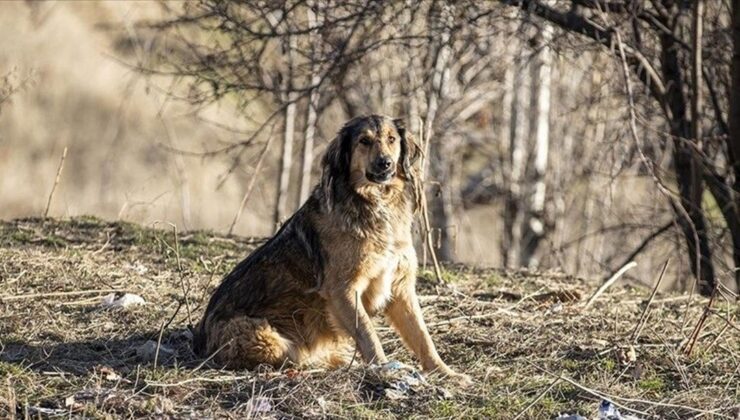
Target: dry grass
{"points": [[516, 333]]}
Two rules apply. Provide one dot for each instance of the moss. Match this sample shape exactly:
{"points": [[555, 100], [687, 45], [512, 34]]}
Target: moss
{"points": [[608, 364], [445, 408], [653, 384], [549, 407], [87, 222], [448, 276], [19, 236], [54, 241], [138, 235], [571, 365], [364, 411], [494, 280], [8, 370], [498, 407]]}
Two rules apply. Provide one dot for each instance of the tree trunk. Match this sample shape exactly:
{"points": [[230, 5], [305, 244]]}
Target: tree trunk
{"points": [[733, 139], [690, 215], [439, 165], [308, 145], [311, 118], [286, 159], [534, 228], [513, 211]]}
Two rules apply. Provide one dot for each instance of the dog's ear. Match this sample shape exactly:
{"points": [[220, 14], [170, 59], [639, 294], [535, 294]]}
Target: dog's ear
{"points": [[335, 165], [410, 151]]}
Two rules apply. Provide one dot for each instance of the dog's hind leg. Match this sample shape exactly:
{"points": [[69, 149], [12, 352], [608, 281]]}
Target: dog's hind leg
{"points": [[338, 354], [243, 343]]}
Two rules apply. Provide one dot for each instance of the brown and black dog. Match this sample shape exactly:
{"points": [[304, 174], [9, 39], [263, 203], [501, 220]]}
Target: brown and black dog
{"points": [[344, 256]]}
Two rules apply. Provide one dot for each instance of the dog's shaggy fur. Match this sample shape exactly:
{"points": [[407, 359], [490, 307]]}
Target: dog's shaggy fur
{"points": [[344, 256]]}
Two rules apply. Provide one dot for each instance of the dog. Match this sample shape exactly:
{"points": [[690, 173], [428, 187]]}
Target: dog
{"points": [[344, 256]]}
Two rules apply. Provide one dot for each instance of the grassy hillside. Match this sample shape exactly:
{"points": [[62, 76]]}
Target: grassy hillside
{"points": [[523, 336]]}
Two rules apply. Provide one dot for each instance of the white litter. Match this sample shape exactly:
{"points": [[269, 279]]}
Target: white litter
{"points": [[259, 405], [128, 299], [608, 411]]}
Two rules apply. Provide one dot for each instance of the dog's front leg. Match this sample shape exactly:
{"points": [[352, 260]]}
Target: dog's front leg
{"points": [[404, 314], [350, 315]]}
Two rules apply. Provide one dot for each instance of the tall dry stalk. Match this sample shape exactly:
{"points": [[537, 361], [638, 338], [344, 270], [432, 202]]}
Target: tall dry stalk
{"points": [[56, 182]]}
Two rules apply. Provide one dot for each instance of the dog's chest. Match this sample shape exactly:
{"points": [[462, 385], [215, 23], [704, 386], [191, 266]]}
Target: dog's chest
{"points": [[380, 286]]}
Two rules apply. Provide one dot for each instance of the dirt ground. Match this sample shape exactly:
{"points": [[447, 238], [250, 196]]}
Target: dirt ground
{"points": [[532, 348]]}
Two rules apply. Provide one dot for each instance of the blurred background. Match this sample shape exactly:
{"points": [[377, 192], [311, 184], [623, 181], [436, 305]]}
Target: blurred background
{"points": [[540, 155]]}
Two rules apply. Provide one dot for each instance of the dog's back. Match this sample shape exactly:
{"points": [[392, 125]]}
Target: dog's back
{"points": [[290, 264]]}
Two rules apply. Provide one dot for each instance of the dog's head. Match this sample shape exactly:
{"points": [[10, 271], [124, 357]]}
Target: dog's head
{"points": [[370, 154]]}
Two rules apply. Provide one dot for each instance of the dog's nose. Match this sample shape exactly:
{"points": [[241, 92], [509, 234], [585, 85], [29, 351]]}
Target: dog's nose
{"points": [[383, 163]]}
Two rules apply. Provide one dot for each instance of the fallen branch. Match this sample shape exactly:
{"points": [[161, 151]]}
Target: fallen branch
{"points": [[57, 294], [643, 317], [612, 398], [609, 282], [645, 242], [539, 397]]}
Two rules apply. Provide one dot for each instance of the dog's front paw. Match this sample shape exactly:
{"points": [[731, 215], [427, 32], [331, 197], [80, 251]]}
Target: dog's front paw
{"points": [[460, 379]]}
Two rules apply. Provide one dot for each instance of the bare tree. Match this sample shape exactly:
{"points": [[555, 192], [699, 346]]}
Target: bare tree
{"points": [[482, 78], [535, 225], [733, 143], [662, 70]]}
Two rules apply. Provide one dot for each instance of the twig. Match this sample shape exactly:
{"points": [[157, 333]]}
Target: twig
{"points": [[645, 242], [664, 300], [211, 356], [486, 315], [57, 294], [643, 317], [427, 229], [716, 338], [248, 192], [56, 182], [220, 379], [539, 397], [185, 290], [159, 344], [591, 391], [609, 282], [700, 324], [11, 401], [724, 318], [165, 325]]}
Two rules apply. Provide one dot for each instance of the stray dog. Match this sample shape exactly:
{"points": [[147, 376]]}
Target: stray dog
{"points": [[344, 256]]}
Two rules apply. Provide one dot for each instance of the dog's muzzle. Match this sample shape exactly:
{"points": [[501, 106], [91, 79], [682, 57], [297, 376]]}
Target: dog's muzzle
{"points": [[381, 170], [380, 178]]}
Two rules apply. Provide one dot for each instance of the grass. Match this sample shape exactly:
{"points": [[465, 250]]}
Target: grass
{"points": [[62, 355]]}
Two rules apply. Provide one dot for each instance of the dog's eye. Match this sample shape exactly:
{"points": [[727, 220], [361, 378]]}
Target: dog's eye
{"points": [[366, 141], [391, 140]]}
